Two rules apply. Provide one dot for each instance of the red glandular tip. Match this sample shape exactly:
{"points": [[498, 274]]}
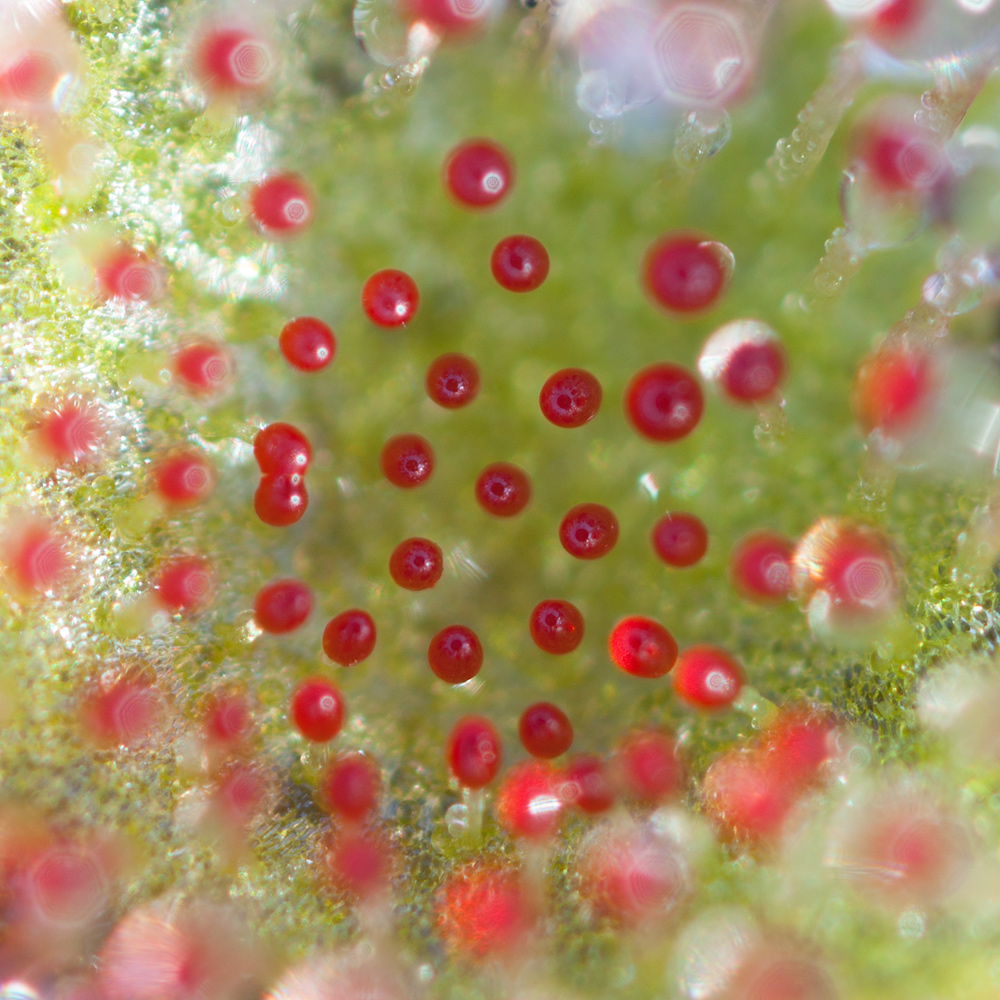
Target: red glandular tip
{"points": [[232, 60], [664, 403], [317, 710], [390, 298], [416, 564], [901, 157], [503, 490], [745, 359], [586, 784], [124, 712], [34, 555], [902, 845], [283, 606], [589, 531], [227, 719], [170, 950], [761, 567], [799, 745], [452, 17], [281, 500], [129, 275], [36, 69], [242, 793], [848, 575], [570, 398], [282, 205], [707, 678], [474, 751], [892, 21], [307, 343], [184, 584], [745, 797], [633, 874], [529, 805], [484, 912], [281, 449], [648, 767], [520, 263], [680, 539], [780, 970], [68, 432], [63, 888], [350, 787], [478, 174], [407, 460], [642, 647], [184, 478], [359, 862], [453, 381], [455, 654], [349, 638], [203, 368], [895, 390], [556, 627], [686, 273], [545, 730]]}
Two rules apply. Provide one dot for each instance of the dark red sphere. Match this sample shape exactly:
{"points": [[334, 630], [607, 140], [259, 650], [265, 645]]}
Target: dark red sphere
{"points": [[761, 566], [185, 583], [416, 564], [503, 489], [570, 398], [282, 606], [390, 298], [407, 460], [556, 626], [520, 263], [648, 766], [349, 638], [203, 368], [588, 531], [350, 787], [184, 478], [281, 449], [545, 730], [307, 343], [281, 500], [478, 173], [642, 647], [707, 677], [317, 710], [453, 381], [455, 654], [753, 372], [474, 751], [231, 60], [664, 402], [680, 539], [282, 205], [686, 272], [587, 785]]}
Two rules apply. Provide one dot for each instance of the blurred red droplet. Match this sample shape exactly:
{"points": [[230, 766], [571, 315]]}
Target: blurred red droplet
{"points": [[484, 912]]}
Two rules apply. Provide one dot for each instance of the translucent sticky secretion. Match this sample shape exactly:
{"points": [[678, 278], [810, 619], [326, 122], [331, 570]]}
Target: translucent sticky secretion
{"points": [[381, 30], [701, 54], [616, 62]]}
